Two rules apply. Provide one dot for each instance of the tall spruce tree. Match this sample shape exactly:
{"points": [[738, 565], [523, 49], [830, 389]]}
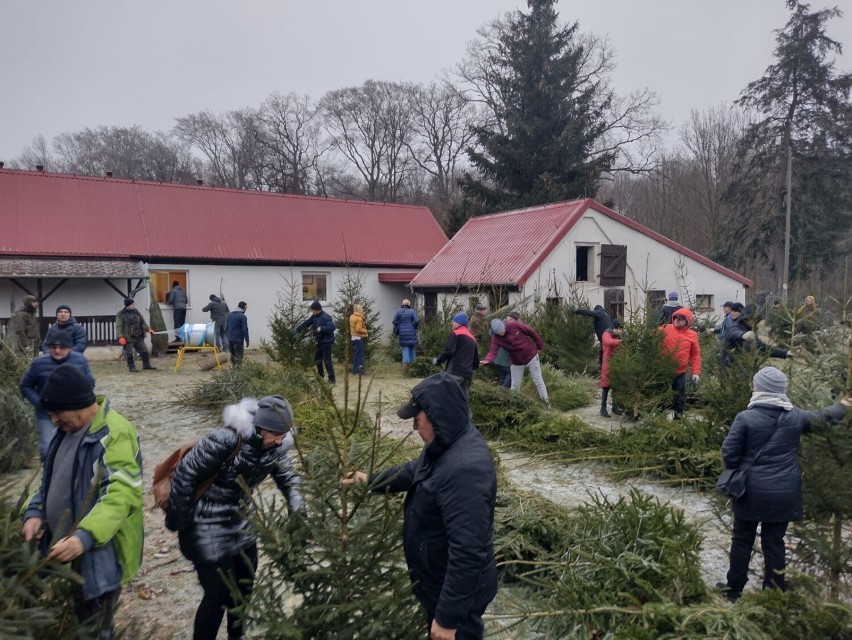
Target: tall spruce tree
{"points": [[550, 119], [792, 200]]}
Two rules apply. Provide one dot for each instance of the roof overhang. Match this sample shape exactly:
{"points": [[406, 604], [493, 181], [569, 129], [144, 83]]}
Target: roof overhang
{"points": [[63, 268], [397, 277]]}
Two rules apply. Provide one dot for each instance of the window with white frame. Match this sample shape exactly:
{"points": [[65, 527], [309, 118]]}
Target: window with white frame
{"points": [[314, 285]]}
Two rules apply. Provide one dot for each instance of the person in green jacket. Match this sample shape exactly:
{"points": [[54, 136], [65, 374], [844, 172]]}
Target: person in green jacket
{"points": [[88, 507]]}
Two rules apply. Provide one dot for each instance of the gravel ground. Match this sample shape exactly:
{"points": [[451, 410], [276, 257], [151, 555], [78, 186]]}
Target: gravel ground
{"points": [[160, 602]]}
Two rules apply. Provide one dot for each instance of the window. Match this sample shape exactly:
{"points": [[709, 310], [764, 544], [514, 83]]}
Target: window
{"points": [[704, 302], [161, 283], [498, 297], [315, 286], [613, 265], [584, 260], [656, 298], [430, 305]]}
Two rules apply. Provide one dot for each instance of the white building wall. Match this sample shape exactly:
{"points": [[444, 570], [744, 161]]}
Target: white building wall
{"points": [[260, 287], [650, 265]]}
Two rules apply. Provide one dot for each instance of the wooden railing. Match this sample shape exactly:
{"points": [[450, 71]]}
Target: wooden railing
{"points": [[100, 330]]}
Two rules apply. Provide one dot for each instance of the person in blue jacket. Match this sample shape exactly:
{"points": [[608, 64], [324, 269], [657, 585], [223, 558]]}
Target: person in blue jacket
{"points": [[59, 352], [66, 322], [405, 324], [322, 326], [238, 333]]}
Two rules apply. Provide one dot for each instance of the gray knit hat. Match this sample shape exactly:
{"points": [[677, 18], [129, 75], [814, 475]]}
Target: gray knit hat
{"points": [[770, 380], [497, 326], [274, 414]]}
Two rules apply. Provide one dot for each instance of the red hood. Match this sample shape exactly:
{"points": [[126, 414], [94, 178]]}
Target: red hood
{"points": [[684, 313]]}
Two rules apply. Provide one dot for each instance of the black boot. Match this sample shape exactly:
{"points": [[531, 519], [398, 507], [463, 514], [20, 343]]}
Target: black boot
{"points": [[131, 365], [604, 395], [146, 362]]}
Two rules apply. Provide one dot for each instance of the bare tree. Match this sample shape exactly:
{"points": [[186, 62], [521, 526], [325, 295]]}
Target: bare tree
{"points": [[710, 140], [229, 144], [291, 135], [371, 127], [36, 154], [443, 123]]}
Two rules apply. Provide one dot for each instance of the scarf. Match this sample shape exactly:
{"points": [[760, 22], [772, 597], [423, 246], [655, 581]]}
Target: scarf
{"points": [[766, 399]]}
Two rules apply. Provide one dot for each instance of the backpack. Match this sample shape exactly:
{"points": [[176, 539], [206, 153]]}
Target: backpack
{"points": [[161, 485]]}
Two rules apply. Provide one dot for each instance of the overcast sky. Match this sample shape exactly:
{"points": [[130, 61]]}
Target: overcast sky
{"points": [[69, 65]]}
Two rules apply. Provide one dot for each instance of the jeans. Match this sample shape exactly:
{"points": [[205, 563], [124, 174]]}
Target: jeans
{"points": [[534, 366], [97, 614], [322, 356], [237, 351], [357, 357], [46, 431], [409, 353], [180, 317], [220, 334], [772, 545], [679, 387], [217, 596]]}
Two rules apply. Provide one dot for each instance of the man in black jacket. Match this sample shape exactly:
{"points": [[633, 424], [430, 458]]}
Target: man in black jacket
{"points": [[219, 317], [449, 510], [322, 327], [460, 353], [602, 323]]}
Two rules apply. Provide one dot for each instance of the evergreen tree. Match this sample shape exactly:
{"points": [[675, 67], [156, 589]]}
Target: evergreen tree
{"points": [[792, 198], [286, 347], [550, 119], [352, 289]]}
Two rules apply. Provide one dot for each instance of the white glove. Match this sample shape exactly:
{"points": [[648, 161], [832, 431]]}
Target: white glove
{"points": [[434, 360], [695, 378], [749, 335]]}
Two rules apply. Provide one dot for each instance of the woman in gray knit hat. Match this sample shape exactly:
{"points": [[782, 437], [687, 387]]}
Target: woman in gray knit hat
{"points": [[765, 440]]}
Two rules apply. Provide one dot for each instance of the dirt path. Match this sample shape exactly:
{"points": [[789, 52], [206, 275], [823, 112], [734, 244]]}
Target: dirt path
{"points": [[161, 601]]}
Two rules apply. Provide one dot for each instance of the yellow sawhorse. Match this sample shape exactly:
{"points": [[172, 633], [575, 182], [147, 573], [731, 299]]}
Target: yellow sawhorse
{"points": [[184, 349]]}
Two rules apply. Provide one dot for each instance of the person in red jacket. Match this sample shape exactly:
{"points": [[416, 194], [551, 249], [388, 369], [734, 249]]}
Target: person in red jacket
{"points": [[681, 343], [522, 343], [610, 341]]}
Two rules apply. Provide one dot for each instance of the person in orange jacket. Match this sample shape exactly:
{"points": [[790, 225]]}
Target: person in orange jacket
{"points": [[680, 342]]}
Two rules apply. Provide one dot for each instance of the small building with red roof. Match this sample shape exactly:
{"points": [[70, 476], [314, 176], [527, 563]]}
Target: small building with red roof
{"points": [[571, 251], [89, 241]]}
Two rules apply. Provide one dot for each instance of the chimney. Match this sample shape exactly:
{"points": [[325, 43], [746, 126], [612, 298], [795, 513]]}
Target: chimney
{"points": [[109, 174], [199, 181], [40, 167]]}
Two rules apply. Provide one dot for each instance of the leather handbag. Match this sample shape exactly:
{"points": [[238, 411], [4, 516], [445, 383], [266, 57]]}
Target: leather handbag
{"points": [[732, 482]]}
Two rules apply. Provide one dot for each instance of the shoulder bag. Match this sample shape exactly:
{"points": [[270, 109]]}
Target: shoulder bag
{"points": [[732, 482]]}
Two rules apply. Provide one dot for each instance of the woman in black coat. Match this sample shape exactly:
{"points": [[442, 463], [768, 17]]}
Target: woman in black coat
{"points": [[213, 532], [765, 437]]}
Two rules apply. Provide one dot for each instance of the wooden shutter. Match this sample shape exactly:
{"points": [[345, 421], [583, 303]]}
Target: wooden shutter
{"points": [[613, 265]]}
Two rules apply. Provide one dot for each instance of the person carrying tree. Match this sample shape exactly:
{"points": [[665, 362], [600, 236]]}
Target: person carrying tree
{"points": [[740, 334], [610, 341], [522, 343], [680, 342], [602, 323]]}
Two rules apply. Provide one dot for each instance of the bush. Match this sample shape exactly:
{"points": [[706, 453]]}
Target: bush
{"points": [[640, 376], [569, 339]]}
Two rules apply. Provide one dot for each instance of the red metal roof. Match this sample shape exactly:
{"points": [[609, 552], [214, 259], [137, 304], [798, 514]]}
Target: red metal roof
{"points": [[83, 216], [396, 277], [505, 249]]}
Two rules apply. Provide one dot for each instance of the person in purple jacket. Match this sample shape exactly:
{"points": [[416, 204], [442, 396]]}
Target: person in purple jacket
{"points": [[522, 343]]}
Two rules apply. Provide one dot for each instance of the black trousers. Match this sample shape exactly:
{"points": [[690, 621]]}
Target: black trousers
{"points": [[471, 628], [322, 356], [98, 614], [772, 544], [138, 343], [217, 596], [679, 387]]}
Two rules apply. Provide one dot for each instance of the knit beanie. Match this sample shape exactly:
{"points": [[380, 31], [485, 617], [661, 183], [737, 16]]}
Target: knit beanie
{"points": [[460, 318], [316, 306], [673, 296], [67, 388], [514, 315], [480, 307], [128, 302], [738, 306], [497, 326], [63, 306], [617, 324], [61, 337], [770, 380], [274, 414]]}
